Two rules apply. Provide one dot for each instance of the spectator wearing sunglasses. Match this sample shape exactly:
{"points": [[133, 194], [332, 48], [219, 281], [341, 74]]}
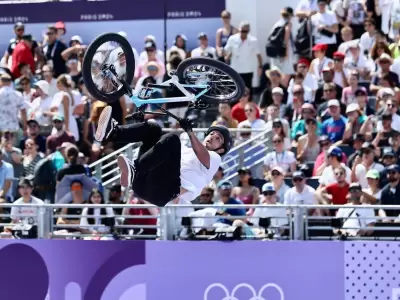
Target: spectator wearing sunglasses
{"points": [[336, 192], [238, 110], [276, 214], [246, 191], [206, 197], [277, 176], [278, 129], [334, 127], [301, 192], [373, 177], [391, 193], [299, 127], [308, 147], [251, 118], [333, 160], [280, 157]]}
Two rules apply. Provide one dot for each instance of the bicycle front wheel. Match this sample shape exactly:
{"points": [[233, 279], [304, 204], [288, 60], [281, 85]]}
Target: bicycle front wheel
{"points": [[108, 61], [225, 83]]}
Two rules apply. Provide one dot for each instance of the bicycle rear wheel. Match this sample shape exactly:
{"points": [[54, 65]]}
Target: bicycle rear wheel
{"points": [[225, 83], [109, 61]]}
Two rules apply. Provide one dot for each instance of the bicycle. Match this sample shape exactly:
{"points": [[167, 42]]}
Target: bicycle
{"points": [[109, 66]]}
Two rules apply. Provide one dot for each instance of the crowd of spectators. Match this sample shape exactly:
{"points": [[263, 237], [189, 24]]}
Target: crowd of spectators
{"points": [[331, 111]]}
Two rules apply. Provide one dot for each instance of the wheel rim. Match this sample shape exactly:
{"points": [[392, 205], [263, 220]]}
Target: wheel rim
{"points": [[108, 57], [222, 86]]}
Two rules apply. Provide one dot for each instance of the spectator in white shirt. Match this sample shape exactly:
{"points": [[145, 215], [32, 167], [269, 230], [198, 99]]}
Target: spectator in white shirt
{"points": [[252, 120], [242, 49], [390, 109], [204, 50], [334, 160], [300, 193], [367, 39], [362, 165], [320, 62], [47, 73], [143, 55], [306, 8], [280, 157], [309, 81], [357, 61], [41, 103], [325, 27], [355, 220], [298, 89], [347, 37], [11, 103]]}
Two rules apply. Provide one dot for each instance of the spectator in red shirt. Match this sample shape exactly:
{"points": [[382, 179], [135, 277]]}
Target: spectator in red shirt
{"points": [[61, 136], [22, 54], [321, 161], [335, 193], [141, 212], [238, 113]]}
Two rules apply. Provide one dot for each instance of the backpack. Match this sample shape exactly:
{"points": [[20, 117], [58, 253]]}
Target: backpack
{"points": [[275, 46], [302, 41]]}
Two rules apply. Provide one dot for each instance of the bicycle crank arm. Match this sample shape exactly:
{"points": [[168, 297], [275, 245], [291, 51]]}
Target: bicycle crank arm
{"points": [[166, 112], [125, 85]]}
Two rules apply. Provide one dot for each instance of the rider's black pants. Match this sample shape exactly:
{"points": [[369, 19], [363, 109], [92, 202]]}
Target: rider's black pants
{"points": [[157, 176]]}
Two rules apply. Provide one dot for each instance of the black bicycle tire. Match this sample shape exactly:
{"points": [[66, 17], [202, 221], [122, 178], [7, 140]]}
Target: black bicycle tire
{"points": [[205, 61], [87, 66]]}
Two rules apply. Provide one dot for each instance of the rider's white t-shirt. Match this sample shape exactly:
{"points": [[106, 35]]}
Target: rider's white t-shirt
{"points": [[195, 176]]}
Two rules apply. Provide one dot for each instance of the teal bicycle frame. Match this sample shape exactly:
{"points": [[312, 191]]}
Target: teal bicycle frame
{"points": [[142, 97]]}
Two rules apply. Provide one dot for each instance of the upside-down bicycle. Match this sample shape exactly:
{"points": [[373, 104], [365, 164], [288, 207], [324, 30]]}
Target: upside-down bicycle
{"points": [[109, 65]]}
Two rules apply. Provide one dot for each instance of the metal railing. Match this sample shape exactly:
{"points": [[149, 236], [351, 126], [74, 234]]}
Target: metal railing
{"points": [[293, 222], [107, 171]]}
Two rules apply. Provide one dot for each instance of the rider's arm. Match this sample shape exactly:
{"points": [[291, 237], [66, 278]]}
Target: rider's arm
{"points": [[199, 149]]}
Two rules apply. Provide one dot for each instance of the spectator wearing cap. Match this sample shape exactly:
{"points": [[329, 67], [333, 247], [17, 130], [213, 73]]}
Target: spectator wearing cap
{"points": [[152, 70], [355, 61], [336, 192], [356, 123], [224, 191], [299, 127], [59, 137], [386, 131], [277, 99], [389, 158], [277, 178], [325, 26], [41, 103], [334, 126], [75, 47], [384, 61], [22, 54], [12, 104], [61, 29], [390, 194], [361, 98], [340, 72], [320, 62], [240, 57], [25, 214], [286, 59], [364, 163], [279, 129], [143, 57], [280, 157], [357, 221], [301, 192], [333, 160], [141, 69], [251, 118], [33, 132], [246, 191], [310, 81], [298, 89], [277, 215], [327, 89], [308, 147], [52, 52], [274, 77], [204, 49], [373, 177]]}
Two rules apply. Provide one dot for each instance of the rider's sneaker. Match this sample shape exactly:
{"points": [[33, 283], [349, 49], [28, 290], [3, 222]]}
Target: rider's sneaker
{"points": [[106, 125], [127, 169]]}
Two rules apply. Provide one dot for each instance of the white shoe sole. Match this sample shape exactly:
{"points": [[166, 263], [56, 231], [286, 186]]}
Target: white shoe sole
{"points": [[126, 174], [102, 125]]}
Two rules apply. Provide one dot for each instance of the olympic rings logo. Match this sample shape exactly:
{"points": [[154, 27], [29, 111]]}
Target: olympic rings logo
{"points": [[256, 296]]}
